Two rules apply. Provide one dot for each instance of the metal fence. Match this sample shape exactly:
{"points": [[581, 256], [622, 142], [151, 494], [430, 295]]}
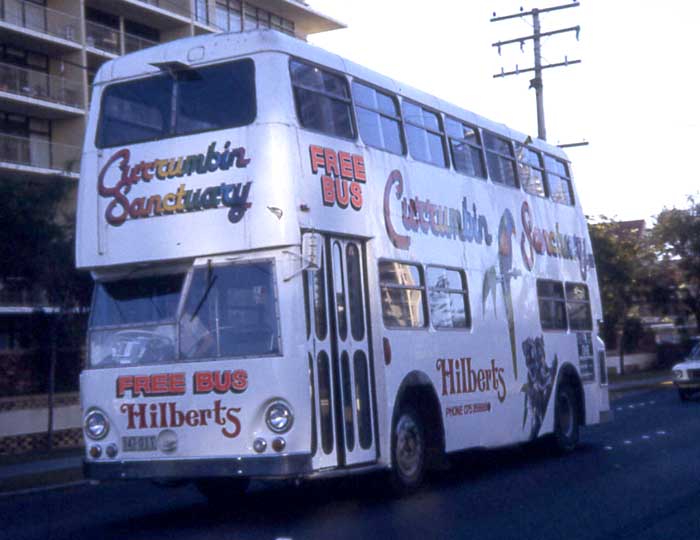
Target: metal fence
{"points": [[40, 19], [38, 85], [39, 152]]}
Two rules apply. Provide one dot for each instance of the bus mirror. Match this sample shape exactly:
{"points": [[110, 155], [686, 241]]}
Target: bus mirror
{"points": [[310, 250]]}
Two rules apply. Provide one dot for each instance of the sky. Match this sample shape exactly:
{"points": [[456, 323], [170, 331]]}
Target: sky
{"points": [[635, 96]]}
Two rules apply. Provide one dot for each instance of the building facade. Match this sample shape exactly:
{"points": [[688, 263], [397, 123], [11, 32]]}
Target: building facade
{"points": [[50, 51]]}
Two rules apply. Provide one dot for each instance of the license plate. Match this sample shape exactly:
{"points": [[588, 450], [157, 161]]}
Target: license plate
{"points": [[139, 443]]}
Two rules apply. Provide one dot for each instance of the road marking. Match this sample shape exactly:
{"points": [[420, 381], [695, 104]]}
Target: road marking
{"points": [[628, 442], [619, 409], [661, 432], [645, 437], [41, 489], [608, 448]]}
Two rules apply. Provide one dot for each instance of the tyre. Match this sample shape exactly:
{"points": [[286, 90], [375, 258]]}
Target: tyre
{"points": [[408, 451], [566, 421], [220, 490]]}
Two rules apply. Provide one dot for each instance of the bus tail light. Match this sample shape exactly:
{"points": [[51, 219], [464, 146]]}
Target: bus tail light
{"points": [[602, 368], [387, 351]]}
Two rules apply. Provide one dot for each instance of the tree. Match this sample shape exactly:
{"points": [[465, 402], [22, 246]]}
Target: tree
{"points": [[37, 239], [676, 238]]}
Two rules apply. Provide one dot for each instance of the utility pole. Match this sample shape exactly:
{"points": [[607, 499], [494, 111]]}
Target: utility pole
{"points": [[537, 34]]}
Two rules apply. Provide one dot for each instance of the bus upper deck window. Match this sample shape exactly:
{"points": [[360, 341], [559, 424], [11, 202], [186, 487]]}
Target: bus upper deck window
{"points": [[530, 170], [168, 105], [322, 100], [424, 133], [500, 160], [559, 180], [378, 118], [466, 148]]}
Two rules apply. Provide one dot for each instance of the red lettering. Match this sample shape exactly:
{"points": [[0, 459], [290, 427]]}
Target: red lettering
{"points": [[328, 190], [159, 383], [240, 380], [141, 385], [203, 383], [331, 162], [231, 417], [345, 161], [342, 195], [316, 158], [356, 195], [358, 164], [177, 383], [124, 383]]}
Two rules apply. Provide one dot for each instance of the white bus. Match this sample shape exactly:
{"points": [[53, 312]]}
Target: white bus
{"points": [[304, 268]]}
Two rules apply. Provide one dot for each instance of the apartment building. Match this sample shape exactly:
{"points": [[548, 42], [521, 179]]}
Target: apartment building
{"points": [[50, 51]]}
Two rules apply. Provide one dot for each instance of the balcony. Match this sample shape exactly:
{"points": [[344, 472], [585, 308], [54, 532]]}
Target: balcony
{"points": [[103, 38], [38, 85], [38, 155], [160, 14], [109, 40], [36, 18]]}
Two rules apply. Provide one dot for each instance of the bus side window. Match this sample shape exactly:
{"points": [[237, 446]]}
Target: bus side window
{"points": [[500, 160], [530, 170], [448, 298], [466, 148], [578, 306], [403, 295], [559, 179], [550, 295], [378, 118], [322, 100], [424, 133]]}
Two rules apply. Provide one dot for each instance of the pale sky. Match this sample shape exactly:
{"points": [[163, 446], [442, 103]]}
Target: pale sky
{"points": [[634, 97]]}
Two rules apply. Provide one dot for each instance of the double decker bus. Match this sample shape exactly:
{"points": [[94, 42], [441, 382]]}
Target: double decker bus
{"points": [[304, 268]]}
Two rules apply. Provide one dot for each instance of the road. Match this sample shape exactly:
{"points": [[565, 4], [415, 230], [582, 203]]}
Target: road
{"points": [[636, 478]]}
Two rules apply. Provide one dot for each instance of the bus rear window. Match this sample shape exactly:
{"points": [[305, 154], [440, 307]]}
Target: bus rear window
{"points": [[189, 101]]}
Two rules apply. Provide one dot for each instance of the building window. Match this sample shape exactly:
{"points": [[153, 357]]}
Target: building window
{"points": [[322, 100], [378, 118], [550, 295], [228, 15], [201, 13], [448, 298], [530, 170], [500, 160], [403, 294], [466, 148], [578, 307], [424, 134], [559, 180]]}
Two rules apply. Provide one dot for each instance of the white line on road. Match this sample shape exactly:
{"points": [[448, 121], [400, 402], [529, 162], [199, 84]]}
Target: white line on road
{"points": [[628, 442]]}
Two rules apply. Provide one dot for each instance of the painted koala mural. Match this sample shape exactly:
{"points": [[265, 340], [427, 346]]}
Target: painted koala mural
{"points": [[539, 385]]}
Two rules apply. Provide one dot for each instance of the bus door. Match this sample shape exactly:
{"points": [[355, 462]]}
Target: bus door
{"points": [[344, 432]]}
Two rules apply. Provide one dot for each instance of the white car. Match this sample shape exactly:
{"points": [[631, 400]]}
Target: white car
{"points": [[686, 375]]}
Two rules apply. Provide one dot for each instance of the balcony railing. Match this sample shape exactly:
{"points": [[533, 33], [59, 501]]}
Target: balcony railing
{"points": [[41, 19], [39, 152], [35, 84], [181, 7], [134, 43], [102, 37], [109, 39]]}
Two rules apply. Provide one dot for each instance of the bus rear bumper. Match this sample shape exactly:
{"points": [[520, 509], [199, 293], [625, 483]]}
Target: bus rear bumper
{"points": [[291, 465]]}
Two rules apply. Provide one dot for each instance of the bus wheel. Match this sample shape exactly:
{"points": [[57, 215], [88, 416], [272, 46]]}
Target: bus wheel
{"points": [[219, 490], [566, 422], [408, 448]]}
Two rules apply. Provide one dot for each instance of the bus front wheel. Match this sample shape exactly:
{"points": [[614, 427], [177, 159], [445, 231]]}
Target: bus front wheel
{"points": [[566, 421], [408, 447]]}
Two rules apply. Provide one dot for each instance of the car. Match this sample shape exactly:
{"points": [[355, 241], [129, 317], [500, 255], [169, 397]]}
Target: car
{"points": [[686, 375]]}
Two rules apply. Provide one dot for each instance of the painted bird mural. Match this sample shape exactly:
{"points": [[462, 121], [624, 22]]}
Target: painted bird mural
{"points": [[506, 232]]}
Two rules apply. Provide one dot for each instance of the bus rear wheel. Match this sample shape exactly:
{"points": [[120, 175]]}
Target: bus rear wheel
{"points": [[566, 421], [220, 490], [408, 449]]}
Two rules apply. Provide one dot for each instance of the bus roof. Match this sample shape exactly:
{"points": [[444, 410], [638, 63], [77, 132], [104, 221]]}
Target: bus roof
{"points": [[206, 49]]}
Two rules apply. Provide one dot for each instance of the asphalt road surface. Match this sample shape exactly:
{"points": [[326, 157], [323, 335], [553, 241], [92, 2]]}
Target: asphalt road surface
{"points": [[637, 477]]}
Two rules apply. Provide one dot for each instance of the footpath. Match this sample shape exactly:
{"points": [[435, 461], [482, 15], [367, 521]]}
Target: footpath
{"points": [[63, 468]]}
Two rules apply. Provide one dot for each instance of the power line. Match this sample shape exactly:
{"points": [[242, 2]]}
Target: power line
{"points": [[537, 34]]}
